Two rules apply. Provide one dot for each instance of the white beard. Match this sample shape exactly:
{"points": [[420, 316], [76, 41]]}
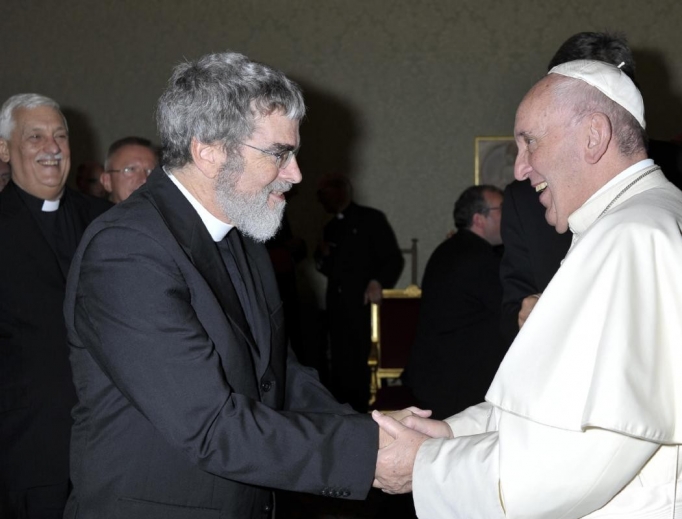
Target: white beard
{"points": [[250, 212]]}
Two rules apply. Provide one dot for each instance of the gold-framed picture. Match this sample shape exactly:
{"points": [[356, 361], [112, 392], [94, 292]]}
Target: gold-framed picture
{"points": [[494, 159]]}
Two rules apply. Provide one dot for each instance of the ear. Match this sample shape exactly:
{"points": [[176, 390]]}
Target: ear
{"points": [[208, 158], [4, 150], [598, 138], [478, 221], [105, 180]]}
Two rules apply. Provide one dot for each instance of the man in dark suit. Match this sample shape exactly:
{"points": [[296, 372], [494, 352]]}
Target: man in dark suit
{"points": [[360, 257], [190, 404], [458, 347], [41, 222]]}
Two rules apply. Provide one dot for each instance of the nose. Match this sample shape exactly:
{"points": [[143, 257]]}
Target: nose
{"points": [[522, 168], [52, 146], [291, 173]]}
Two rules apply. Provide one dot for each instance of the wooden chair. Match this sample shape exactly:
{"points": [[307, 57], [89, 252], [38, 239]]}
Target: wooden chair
{"points": [[394, 325]]}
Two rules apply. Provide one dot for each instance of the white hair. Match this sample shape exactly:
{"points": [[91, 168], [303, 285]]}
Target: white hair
{"points": [[23, 101]]}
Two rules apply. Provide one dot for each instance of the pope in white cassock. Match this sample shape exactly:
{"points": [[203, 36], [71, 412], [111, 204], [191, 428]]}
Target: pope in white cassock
{"points": [[584, 417]]}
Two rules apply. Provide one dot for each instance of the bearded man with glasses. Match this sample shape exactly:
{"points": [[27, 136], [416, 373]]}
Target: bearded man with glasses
{"points": [[190, 404]]}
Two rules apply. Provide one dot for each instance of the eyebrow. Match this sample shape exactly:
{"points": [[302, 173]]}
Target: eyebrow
{"points": [[45, 128], [280, 147]]}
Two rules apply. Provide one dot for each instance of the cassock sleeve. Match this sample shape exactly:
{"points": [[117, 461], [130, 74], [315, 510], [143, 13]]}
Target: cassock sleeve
{"points": [[524, 469]]}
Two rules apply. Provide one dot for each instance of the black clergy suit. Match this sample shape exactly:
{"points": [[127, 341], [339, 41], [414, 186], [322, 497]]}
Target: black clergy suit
{"points": [[458, 346], [362, 247], [36, 391], [188, 405]]}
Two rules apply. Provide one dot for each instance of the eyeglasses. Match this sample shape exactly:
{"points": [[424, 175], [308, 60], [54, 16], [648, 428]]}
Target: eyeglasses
{"points": [[131, 171], [282, 158], [489, 209]]}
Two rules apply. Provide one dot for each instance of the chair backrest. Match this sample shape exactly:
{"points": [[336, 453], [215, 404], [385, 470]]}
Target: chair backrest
{"points": [[394, 326]]}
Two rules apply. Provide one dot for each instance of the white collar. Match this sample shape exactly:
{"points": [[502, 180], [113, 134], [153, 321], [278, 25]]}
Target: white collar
{"points": [[583, 217], [215, 227], [50, 206]]}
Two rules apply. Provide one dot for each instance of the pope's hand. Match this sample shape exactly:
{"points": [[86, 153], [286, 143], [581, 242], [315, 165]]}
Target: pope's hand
{"points": [[527, 305], [432, 428]]}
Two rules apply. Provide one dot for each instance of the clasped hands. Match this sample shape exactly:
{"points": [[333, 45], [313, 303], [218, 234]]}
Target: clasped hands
{"points": [[401, 434]]}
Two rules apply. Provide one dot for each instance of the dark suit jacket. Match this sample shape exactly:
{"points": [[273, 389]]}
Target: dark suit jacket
{"points": [[36, 391], [181, 412], [458, 347]]}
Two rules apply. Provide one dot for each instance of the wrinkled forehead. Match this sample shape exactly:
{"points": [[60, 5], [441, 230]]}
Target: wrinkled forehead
{"points": [[42, 115], [538, 104]]}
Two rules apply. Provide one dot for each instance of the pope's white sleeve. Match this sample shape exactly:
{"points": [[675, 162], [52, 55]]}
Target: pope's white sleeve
{"points": [[474, 420], [526, 470], [550, 472], [440, 485], [458, 478]]}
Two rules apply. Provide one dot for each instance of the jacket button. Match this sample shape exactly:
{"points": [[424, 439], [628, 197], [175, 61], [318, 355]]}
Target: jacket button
{"points": [[266, 386], [346, 493], [267, 508]]}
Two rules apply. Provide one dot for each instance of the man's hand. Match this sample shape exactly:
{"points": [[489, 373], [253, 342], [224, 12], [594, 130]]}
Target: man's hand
{"points": [[373, 292], [385, 438], [395, 462], [527, 306]]}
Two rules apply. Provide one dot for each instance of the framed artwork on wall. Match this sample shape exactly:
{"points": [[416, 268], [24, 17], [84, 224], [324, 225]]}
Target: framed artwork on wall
{"points": [[494, 160]]}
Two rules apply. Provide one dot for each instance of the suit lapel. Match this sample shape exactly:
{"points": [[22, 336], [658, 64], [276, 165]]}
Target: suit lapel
{"points": [[190, 232]]}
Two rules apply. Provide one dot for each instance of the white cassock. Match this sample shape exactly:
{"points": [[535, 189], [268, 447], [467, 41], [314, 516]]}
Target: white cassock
{"points": [[584, 417]]}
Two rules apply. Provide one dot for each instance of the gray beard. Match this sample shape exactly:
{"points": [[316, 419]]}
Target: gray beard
{"points": [[249, 212]]}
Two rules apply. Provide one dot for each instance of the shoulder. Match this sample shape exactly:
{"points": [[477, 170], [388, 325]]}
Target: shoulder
{"points": [[367, 212], [93, 205], [9, 200], [658, 208], [137, 214], [462, 247]]}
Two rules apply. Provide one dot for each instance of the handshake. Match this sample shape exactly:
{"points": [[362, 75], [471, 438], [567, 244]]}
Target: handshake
{"points": [[401, 434]]}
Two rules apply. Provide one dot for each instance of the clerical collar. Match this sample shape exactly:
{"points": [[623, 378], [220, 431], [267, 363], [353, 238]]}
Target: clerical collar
{"points": [[581, 219], [215, 227], [38, 204], [50, 206], [631, 171]]}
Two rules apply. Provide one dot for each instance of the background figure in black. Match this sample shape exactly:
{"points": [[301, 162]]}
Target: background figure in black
{"points": [[458, 347], [533, 250], [41, 223], [360, 257]]}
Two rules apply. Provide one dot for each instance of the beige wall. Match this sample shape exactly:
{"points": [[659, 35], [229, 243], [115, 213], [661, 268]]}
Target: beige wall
{"points": [[397, 89]]}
